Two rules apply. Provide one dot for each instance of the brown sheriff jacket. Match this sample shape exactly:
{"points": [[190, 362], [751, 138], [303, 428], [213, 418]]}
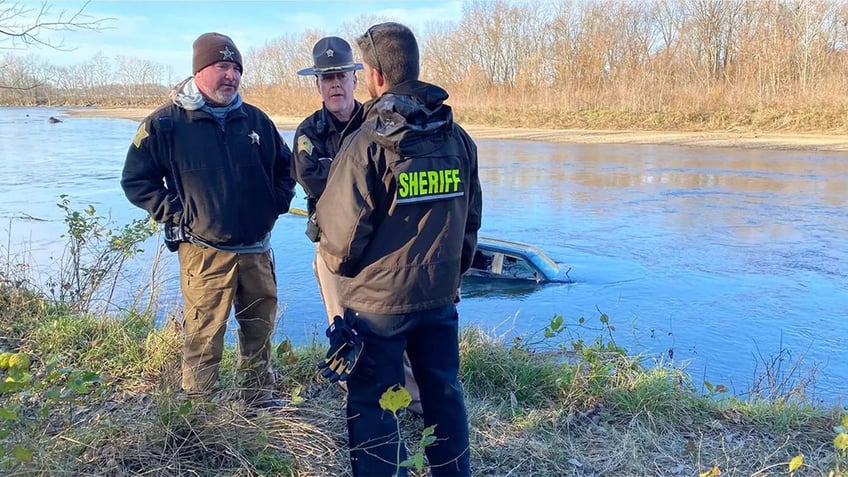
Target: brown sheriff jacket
{"points": [[403, 204]]}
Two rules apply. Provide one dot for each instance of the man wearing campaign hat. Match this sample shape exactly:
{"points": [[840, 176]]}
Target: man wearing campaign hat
{"points": [[317, 140], [216, 173]]}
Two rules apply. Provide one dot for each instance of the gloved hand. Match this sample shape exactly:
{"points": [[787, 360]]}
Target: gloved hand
{"points": [[345, 349]]}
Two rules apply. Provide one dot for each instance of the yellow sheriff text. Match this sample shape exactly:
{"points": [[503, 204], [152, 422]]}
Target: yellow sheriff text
{"points": [[431, 182]]}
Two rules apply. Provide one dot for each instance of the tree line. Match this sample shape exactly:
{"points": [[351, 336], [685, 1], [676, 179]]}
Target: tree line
{"points": [[550, 57]]}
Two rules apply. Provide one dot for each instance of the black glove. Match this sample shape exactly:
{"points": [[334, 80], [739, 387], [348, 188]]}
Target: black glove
{"points": [[345, 349]]}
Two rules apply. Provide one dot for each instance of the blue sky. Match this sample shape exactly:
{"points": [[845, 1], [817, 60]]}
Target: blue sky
{"points": [[163, 31]]}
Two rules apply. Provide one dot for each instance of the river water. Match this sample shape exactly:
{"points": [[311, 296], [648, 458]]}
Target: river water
{"points": [[723, 260]]}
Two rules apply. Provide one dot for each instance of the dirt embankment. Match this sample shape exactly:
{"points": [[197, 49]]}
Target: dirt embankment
{"points": [[801, 142]]}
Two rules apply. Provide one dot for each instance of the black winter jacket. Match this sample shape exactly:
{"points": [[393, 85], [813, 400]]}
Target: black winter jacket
{"points": [[225, 186], [403, 204], [316, 143]]}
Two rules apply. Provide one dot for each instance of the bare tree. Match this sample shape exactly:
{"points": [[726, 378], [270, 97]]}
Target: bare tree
{"points": [[23, 26]]}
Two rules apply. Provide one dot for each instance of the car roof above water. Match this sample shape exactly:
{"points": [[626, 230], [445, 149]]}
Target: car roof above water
{"points": [[533, 255]]}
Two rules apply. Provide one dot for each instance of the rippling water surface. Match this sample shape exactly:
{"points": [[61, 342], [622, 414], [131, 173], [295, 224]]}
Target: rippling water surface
{"points": [[720, 258]]}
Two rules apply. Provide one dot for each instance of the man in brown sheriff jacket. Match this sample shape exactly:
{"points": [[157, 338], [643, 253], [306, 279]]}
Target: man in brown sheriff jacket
{"points": [[400, 215], [317, 140], [216, 173]]}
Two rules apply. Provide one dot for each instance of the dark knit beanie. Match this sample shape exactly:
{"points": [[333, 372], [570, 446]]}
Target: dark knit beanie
{"points": [[214, 47]]}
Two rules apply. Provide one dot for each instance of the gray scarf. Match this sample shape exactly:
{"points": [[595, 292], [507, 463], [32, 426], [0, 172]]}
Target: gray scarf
{"points": [[187, 96]]}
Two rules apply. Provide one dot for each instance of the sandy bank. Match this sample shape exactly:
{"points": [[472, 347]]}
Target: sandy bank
{"points": [[748, 140]]}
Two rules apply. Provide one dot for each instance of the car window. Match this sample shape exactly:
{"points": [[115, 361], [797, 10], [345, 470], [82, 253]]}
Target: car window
{"points": [[502, 265], [517, 267]]}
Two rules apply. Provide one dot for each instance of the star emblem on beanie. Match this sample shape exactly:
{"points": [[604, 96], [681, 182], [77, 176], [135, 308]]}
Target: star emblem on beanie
{"points": [[330, 53], [228, 53]]}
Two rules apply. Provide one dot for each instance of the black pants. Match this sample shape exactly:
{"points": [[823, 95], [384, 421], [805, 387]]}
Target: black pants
{"points": [[431, 339]]}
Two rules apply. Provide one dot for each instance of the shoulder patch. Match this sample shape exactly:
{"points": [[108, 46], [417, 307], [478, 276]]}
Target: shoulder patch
{"points": [[304, 144], [140, 135]]}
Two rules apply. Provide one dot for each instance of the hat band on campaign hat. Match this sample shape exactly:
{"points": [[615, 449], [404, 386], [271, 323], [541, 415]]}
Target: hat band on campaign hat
{"points": [[331, 55]]}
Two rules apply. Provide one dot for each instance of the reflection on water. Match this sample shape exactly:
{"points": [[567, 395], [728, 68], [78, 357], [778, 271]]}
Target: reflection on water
{"points": [[715, 254]]}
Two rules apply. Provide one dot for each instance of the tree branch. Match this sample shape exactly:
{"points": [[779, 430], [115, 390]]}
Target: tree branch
{"points": [[21, 29]]}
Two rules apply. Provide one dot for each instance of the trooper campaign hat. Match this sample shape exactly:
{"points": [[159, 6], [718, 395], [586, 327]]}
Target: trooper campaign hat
{"points": [[331, 55]]}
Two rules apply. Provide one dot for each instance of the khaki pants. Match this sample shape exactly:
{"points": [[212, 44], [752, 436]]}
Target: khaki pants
{"points": [[330, 286], [213, 282]]}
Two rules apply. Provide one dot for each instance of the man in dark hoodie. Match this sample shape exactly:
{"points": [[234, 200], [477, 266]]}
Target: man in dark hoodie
{"points": [[317, 140], [217, 174], [400, 215]]}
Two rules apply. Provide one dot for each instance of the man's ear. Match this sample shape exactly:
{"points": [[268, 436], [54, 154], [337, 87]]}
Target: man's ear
{"points": [[377, 76], [317, 84]]}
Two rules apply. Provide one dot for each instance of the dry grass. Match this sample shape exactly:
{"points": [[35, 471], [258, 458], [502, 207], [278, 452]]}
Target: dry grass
{"points": [[570, 410], [151, 432], [545, 109]]}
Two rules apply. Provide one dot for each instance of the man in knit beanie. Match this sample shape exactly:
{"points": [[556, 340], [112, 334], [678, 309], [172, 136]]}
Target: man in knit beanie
{"points": [[214, 55], [216, 173]]}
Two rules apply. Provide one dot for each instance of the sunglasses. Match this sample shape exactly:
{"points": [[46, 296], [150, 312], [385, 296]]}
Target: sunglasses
{"points": [[374, 50]]}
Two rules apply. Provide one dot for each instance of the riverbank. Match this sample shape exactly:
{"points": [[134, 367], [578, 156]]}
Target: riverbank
{"points": [[731, 139], [97, 395]]}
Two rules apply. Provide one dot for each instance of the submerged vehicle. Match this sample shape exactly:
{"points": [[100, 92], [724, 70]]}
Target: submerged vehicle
{"points": [[502, 259], [495, 259]]}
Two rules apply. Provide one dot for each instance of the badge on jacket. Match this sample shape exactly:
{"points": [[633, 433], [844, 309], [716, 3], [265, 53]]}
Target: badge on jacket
{"points": [[140, 135]]}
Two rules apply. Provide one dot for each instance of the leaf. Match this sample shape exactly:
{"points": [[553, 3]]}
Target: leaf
{"points": [[845, 420], [22, 454], [395, 398], [284, 348], [295, 398], [52, 393], [416, 462], [841, 441], [709, 386], [796, 462], [556, 323], [715, 471], [8, 414], [428, 441], [184, 408], [90, 377], [8, 386]]}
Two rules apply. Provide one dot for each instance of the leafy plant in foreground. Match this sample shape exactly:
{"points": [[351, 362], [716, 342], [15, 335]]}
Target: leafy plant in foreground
{"points": [[95, 254], [393, 400]]}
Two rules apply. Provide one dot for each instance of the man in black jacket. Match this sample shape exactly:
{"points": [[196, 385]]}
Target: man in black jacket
{"points": [[317, 140], [400, 215], [217, 174], [318, 137]]}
